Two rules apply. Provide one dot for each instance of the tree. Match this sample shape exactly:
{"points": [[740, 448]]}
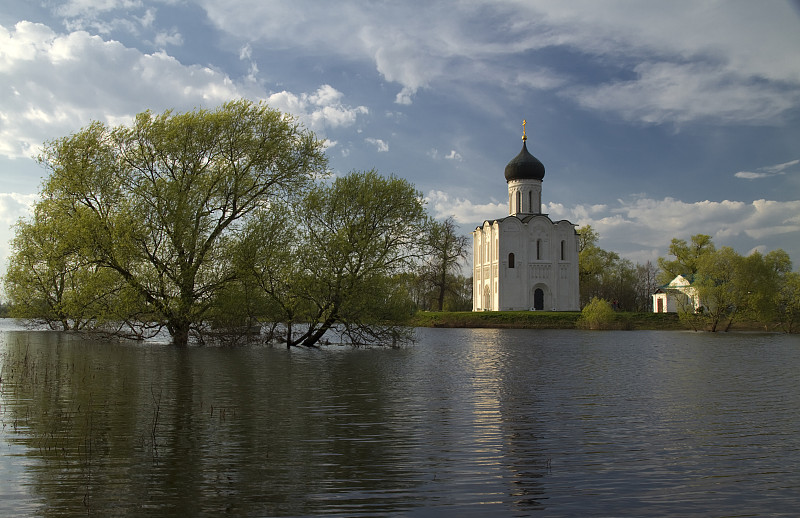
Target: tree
{"points": [[364, 231], [687, 257], [344, 267], [730, 286], [646, 285], [158, 202], [761, 281], [597, 314], [721, 287], [587, 238], [604, 274], [593, 262], [43, 277], [788, 302], [445, 251], [270, 256]]}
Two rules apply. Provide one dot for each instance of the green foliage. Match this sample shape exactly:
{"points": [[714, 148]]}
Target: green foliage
{"points": [[731, 287], [214, 223], [717, 281], [337, 258], [50, 281], [688, 257], [605, 274], [439, 284], [787, 302], [597, 314], [155, 206], [363, 232]]}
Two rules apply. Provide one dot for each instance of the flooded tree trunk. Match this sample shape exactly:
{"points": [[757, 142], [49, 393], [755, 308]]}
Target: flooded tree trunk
{"points": [[316, 336], [180, 333]]}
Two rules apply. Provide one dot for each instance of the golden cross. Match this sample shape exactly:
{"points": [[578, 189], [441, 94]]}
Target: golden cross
{"points": [[524, 136]]}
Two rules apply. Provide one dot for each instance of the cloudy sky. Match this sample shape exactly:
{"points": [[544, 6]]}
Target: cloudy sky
{"points": [[653, 119]]}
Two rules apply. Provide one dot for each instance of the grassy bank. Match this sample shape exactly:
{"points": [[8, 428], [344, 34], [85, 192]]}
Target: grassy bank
{"points": [[540, 320]]}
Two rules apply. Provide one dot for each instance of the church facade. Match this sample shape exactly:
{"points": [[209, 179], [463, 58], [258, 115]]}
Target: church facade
{"points": [[525, 261]]}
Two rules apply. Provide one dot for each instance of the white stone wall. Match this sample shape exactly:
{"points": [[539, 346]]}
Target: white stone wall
{"points": [[536, 245], [485, 289]]}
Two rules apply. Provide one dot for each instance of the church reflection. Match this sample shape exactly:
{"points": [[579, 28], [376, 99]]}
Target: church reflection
{"points": [[506, 409]]}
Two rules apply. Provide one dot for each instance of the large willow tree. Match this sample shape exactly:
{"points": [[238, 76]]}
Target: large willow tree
{"points": [[152, 208]]}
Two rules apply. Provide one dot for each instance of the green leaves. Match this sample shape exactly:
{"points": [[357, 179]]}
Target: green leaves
{"points": [[332, 259], [733, 287], [157, 202], [688, 257]]}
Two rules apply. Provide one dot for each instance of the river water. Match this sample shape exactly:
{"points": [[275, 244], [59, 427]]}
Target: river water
{"points": [[463, 423]]}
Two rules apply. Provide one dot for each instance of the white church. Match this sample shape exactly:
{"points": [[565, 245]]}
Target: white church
{"points": [[525, 261]]}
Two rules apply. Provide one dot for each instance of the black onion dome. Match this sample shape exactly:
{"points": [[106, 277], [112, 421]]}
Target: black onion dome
{"points": [[524, 166]]}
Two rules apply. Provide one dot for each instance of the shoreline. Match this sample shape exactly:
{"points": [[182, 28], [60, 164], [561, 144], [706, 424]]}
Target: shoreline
{"points": [[623, 320]]}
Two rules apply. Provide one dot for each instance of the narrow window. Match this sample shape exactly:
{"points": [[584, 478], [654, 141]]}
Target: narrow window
{"points": [[538, 249], [511, 260], [530, 202], [563, 255], [519, 201]]}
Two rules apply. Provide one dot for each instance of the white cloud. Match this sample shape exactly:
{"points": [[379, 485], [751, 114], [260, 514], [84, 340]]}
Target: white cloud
{"points": [[57, 83], [765, 172], [680, 93], [96, 16], [13, 206], [246, 52], [464, 211], [379, 144], [721, 61], [749, 175], [104, 80], [452, 155], [319, 110], [405, 95], [172, 37], [73, 8], [780, 168]]}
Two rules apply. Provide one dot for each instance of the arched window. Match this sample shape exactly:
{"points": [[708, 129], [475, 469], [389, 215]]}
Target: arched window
{"points": [[563, 252], [511, 260], [538, 249], [519, 201], [530, 202]]}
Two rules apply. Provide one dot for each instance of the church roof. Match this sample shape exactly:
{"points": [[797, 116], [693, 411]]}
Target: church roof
{"points": [[524, 166], [524, 219]]}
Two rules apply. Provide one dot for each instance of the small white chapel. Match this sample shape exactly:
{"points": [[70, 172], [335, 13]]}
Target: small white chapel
{"points": [[525, 261]]}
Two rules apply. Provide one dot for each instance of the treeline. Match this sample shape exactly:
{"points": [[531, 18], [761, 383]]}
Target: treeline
{"points": [[607, 276], [438, 285], [725, 287], [214, 224]]}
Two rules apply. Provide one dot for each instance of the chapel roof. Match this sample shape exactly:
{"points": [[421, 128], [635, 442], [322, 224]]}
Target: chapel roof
{"points": [[524, 166]]}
